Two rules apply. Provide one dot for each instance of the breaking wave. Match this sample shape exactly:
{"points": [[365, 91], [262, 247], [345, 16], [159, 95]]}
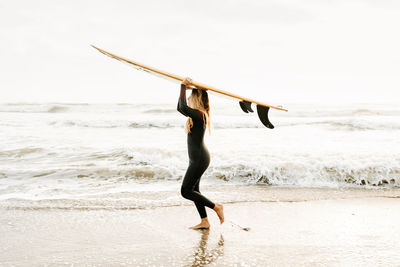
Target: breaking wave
{"points": [[20, 152], [160, 111], [33, 108], [349, 124], [291, 172], [305, 174], [57, 109], [55, 149], [344, 125]]}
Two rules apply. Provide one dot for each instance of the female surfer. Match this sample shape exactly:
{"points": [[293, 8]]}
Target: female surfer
{"points": [[198, 113]]}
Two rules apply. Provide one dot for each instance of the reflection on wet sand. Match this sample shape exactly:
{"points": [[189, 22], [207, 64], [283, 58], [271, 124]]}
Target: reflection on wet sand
{"points": [[202, 256]]}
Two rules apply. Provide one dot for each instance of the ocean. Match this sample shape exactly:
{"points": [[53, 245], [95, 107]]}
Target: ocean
{"points": [[135, 155]]}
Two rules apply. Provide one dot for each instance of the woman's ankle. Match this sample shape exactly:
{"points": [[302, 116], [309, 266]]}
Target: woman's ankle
{"points": [[204, 219]]}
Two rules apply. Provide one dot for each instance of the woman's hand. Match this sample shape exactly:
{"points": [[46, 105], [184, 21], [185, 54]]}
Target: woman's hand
{"points": [[187, 81]]}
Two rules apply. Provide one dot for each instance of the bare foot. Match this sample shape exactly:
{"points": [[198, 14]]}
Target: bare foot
{"points": [[219, 209], [202, 225]]}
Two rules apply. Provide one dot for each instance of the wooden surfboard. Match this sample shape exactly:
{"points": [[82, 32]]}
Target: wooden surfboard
{"points": [[245, 103]]}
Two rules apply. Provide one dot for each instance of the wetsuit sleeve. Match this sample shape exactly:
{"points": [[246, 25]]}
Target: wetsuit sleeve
{"points": [[183, 108]]}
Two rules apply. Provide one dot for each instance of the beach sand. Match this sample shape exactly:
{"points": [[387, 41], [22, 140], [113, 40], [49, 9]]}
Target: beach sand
{"points": [[361, 228]]}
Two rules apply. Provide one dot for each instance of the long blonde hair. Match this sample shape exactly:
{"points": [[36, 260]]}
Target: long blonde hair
{"points": [[199, 100]]}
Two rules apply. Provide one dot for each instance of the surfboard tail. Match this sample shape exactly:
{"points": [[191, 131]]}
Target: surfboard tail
{"points": [[263, 115], [262, 112], [246, 106]]}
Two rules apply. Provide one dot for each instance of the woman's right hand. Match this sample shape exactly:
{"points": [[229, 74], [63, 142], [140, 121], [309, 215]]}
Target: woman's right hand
{"points": [[187, 81]]}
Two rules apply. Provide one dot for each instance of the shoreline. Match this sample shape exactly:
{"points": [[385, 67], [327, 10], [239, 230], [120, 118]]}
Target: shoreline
{"points": [[170, 197], [359, 231]]}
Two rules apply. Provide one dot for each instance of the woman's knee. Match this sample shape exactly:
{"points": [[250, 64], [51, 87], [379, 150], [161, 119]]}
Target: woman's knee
{"points": [[186, 192]]}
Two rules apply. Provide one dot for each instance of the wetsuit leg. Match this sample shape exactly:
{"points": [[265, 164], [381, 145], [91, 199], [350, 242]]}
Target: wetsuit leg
{"points": [[200, 208], [191, 178]]}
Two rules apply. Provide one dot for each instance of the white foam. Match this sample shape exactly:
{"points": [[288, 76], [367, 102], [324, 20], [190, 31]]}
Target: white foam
{"points": [[93, 148]]}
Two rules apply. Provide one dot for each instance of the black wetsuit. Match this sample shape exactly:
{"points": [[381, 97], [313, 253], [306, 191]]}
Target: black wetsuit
{"points": [[199, 158]]}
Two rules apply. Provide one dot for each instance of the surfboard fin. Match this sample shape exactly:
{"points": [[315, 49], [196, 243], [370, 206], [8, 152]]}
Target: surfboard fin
{"points": [[245, 106], [263, 115]]}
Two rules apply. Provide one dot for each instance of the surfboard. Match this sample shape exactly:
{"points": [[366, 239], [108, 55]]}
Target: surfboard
{"points": [[245, 103]]}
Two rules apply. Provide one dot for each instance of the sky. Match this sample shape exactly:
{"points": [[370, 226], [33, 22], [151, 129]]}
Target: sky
{"points": [[276, 52]]}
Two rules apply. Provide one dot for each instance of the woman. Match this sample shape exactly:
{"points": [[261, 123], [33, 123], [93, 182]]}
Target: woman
{"points": [[199, 158]]}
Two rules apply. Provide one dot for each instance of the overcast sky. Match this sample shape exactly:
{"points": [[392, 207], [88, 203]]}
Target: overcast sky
{"points": [[276, 52]]}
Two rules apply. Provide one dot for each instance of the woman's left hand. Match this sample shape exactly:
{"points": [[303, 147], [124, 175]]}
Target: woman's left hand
{"points": [[187, 81]]}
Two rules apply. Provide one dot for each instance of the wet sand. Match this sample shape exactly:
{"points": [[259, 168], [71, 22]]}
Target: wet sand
{"points": [[359, 231]]}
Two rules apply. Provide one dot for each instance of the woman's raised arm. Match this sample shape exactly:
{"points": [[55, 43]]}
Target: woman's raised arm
{"points": [[182, 106]]}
